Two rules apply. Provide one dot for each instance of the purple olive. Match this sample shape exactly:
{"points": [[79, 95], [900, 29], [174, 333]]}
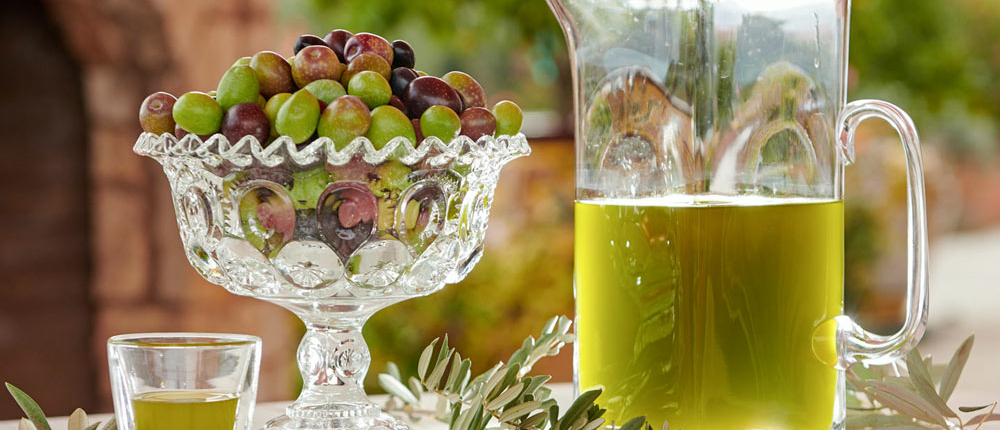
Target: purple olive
{"points": [[397, 103], [307, 40], [426, 91], [402, 54], [400, 78], [336, 40], [478, 122], [366, 42], [416, 128], [246, 119]]}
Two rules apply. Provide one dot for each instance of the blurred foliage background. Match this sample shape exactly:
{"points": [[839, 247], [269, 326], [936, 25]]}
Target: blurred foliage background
{"points": [[940, 61]]}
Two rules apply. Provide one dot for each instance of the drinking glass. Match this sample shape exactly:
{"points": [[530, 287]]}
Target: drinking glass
{"points": [[192, 381], [711, 141]]}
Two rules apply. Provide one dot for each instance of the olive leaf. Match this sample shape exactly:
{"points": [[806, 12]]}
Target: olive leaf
{"points": [[875, 420], [111, 424], [31, 409], [973, 408], [955, 366], [77, 420], [26, 424], [634, 424], [906, 402], [392, 385], [920, 378]]}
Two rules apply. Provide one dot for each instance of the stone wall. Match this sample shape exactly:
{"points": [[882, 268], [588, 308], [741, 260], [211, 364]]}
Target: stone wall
{"points": [[140, 280], [45, 314]]}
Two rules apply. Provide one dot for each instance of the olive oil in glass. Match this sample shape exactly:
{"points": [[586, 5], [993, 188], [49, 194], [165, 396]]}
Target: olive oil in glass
{"points": [[187, 410], [708, 312]]}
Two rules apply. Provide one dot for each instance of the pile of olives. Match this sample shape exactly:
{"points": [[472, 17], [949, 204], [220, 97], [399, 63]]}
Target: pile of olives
{"points": [[341, 86]]}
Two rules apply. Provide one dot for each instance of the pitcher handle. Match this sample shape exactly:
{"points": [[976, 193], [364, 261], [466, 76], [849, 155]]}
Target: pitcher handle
{"points": [[855, 344]]}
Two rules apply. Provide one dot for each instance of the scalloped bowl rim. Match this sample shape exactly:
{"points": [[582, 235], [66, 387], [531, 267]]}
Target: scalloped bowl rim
{"points": [[217, 149]]}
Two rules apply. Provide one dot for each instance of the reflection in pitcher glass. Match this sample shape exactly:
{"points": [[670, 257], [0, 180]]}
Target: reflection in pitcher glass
{"points": [[711, 142]]}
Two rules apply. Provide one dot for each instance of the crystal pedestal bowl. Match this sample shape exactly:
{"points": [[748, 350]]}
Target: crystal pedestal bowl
{"points": [[334, 235]]}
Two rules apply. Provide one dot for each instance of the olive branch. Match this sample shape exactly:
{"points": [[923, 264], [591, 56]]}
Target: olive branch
{"points": [[898, 396], [504, 395], [906, 396], [35, 418]]}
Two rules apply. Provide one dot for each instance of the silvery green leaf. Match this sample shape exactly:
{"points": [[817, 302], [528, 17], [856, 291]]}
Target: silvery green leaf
{"points": [[955, 366], [415, 387], [472, 390], [544, 339], [26, 424], [510, 376], [550, 325], [554, 415], [567, 338], [477, 417], [973, 408], [577, 408], [77, 420], [593, 425], [93, 426], [110, 424], [920, 377], [543, 393], [564, 324], [392, 385], [456, 363], [534, 420], [485, 376], [519, 356], [465, 418], [456, 409], [536, 383], [633, 424], [425, 359], [461, 423], [30, 408], [435, 377], [875, 420], [494, 380], [392, 369], [463, 376], [980, 419], [445, 351], [907, 402], [505, 397], [864, 373], [902, 381], [578, 423], [519, 410]]}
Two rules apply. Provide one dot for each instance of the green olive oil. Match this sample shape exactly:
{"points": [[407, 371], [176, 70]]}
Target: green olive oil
{"points": [[708, 314], [185, 410]]}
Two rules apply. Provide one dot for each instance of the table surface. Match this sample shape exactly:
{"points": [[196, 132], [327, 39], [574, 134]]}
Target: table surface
{"points": [[563, 393]]}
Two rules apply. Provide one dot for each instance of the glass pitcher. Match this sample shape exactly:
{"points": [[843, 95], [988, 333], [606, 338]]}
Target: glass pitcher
{"points": [[711, 140]]}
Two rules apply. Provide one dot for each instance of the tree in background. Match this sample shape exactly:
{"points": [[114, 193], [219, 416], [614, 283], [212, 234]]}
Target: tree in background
{"points": [[939, 60], [514, 47]]}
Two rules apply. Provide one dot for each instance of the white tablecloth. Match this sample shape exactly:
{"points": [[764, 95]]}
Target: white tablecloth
{"points": [[563, 393]]}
